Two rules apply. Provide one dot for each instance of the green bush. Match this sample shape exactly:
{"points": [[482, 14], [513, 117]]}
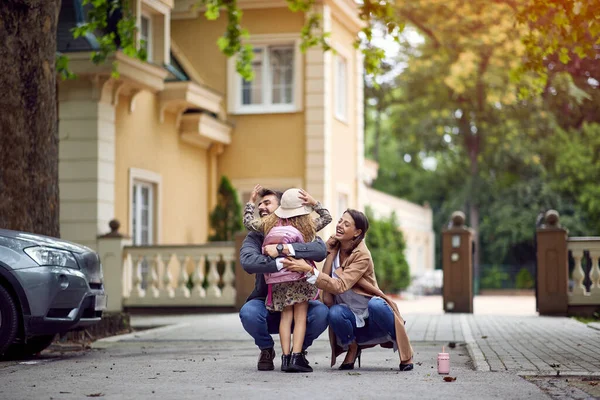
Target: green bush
{"points": [[386, 243], [493, 278], [524, 279], [226, 218]]}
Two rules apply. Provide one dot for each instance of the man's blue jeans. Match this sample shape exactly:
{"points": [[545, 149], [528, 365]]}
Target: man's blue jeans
{"points": [[379, 323], [261, 324]]}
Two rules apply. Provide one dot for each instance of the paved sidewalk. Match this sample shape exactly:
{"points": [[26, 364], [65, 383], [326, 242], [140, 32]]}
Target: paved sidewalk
{"points": [[504, 334], [210, 356], [537, 345]]}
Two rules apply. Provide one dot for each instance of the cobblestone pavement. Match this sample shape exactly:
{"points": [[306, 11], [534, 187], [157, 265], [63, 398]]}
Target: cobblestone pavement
{"points": [[507, 335], [537, 345]]}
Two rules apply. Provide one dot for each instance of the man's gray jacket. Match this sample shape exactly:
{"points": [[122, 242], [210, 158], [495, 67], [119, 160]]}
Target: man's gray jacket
{"points": [[254, 262]]}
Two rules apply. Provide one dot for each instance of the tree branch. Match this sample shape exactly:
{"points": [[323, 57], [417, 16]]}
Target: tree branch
{"points": [[428, 32]]}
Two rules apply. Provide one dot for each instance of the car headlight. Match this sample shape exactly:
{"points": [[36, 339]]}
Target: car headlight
{"points": [[47, 256]]}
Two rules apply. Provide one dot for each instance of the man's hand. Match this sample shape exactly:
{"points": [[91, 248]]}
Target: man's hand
{"points": [[271, 250], [254, 194], [294, 265], [307, 199]]}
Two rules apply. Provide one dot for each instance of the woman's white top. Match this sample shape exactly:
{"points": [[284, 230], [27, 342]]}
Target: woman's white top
{"points": [[357, 303]]}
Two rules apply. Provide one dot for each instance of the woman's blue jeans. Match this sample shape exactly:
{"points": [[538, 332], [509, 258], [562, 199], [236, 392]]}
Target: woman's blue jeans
{"points": [[261, 324], [380, 322]]}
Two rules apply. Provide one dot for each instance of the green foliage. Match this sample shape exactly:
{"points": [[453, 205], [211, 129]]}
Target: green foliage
{"points": [[451, 131], [62, 67], [524, 279], [231, 43], [376, 15], [226, 218], [386, 243], [576, 167], [494, 277], [99, 14], [566, 31], [307, 34]]}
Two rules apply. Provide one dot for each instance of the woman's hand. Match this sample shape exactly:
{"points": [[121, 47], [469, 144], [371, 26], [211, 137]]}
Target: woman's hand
{"points": [[307, 199], [332, 244], [294, 265]]}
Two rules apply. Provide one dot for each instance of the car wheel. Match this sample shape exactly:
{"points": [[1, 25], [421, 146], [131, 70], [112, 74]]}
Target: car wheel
{"points": [[9, 319], [33, 346]]}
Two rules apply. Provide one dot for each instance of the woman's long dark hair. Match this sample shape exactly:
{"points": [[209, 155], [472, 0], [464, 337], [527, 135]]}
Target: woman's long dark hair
{"points": [[360, 222]]}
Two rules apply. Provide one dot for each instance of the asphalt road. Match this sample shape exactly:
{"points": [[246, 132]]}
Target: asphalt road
{"points": [[176, 363]]}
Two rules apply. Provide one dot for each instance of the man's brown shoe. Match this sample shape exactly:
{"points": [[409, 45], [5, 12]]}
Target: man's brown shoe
{"points": [[265, 360]]}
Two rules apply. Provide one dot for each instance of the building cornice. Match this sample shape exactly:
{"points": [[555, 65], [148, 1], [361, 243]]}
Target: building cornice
{"points": [[202, 130], [180, 96], [134, 77], [346, 11], [136, 74]]}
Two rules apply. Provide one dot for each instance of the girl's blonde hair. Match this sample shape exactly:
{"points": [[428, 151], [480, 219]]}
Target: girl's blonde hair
{"points": [[304, 223]]}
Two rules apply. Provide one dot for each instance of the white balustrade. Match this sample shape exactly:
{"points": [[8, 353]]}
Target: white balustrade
{"points": [[166, 289], [580, 295], [158, 276], [228, 291], [198, 277], [182, 289], [213, 277]]}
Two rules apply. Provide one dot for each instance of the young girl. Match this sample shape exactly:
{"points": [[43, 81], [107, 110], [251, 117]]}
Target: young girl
{"points": [[290, 223]]}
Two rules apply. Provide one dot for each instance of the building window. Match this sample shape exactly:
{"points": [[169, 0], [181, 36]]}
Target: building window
{"points": [[144, 206], [146, 35], [143, 213], [273, 82], [341, 91], [277, 83]]}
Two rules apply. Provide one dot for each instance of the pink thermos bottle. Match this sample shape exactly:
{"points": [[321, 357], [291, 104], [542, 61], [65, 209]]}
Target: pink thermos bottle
{"points": [[443, 362]]}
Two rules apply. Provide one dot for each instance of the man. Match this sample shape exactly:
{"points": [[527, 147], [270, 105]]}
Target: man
{"points": [[257, 321]]}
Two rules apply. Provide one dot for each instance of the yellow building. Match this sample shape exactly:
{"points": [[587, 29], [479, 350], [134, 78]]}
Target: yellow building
{"points": [[149, 147]]}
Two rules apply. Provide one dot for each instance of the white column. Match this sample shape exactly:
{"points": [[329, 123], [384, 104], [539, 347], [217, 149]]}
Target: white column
{"points": [[86, 160], [360, 132], [318, 121], [112, 256]]}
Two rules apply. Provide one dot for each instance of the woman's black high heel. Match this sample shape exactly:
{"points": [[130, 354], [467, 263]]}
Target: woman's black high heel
{"points": [[348, 366], [407, 366]]}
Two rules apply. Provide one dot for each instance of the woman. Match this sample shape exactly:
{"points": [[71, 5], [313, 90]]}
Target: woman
{"points": [[361, 315]]}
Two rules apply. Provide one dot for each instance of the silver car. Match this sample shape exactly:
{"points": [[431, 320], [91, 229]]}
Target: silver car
{"points": [[47, 286]]}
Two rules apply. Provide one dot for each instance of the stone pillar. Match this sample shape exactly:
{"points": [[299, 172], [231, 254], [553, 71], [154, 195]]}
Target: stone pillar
{"points": [[552, 278], [457, 260], [244, 282], [86, 168], [110, 250]]}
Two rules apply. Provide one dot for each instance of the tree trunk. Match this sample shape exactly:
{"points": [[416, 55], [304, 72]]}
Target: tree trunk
{"points": [[29, 198], [377, 135], [474, 206]]}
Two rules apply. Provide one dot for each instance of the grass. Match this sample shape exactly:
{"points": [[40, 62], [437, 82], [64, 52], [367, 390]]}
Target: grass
{"points": [[587, 320]]}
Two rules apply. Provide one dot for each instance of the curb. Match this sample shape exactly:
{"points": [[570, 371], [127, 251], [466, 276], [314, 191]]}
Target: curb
{"points": [[561, 374], [475, 352], [594, 325], [112, 340]]}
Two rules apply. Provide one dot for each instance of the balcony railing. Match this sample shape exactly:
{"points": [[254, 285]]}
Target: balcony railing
{"points": [[579, 246], [171, 276]]}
